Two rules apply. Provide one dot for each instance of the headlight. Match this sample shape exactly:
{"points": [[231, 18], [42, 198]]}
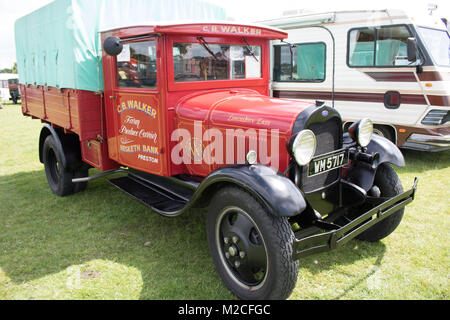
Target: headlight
{"points": [[362, 131], [304, 147]]}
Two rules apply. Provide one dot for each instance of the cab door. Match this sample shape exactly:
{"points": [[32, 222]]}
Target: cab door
{"points": [[139, 113]]}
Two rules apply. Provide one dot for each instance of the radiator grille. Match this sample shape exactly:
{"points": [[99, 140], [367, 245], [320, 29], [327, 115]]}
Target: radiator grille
{"points": [[328, 139]]}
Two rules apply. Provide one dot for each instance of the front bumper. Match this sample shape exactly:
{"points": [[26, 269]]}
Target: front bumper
{"points": [[331, 240], [425, 142]]}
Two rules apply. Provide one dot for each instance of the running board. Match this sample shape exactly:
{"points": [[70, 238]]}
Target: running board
{"points": [[158, 199]]}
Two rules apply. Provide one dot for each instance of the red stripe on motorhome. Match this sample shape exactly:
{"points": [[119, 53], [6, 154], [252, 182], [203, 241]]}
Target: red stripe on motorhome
{"points": [[383, 76], [361, 97], [392, 76]]}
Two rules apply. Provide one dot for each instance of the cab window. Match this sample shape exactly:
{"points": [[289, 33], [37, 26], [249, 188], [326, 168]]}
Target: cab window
{"points": [[379, 47], [136, 65], [212, 61], [303, 62]]}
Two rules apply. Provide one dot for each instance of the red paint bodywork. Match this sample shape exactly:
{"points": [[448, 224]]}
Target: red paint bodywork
{"points": [[13, 86], [146, 144]]}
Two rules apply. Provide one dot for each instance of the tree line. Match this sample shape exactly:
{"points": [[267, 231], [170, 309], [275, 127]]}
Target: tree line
{"points": [[11, 70]]}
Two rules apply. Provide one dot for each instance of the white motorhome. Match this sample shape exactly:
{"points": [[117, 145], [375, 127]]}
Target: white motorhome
{"points": [[4, 88], [385, 65]]}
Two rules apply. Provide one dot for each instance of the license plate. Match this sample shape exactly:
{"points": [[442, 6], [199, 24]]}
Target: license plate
{"points": [[328, 162]]}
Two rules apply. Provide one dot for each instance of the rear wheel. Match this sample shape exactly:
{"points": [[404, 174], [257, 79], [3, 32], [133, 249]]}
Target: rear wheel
{"points": [[58, 177], [15, 98], [251, 249], [81, 172]]}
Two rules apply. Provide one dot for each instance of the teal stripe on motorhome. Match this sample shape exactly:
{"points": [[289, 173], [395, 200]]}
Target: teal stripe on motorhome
{"points": [[59, 44]]}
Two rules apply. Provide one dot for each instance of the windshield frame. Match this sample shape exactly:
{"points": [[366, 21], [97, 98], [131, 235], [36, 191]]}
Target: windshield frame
{"points": [[217, 84], [428, 50]]}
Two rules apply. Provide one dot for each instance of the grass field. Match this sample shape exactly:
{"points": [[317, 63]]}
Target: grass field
{"points": [[101, 244]]}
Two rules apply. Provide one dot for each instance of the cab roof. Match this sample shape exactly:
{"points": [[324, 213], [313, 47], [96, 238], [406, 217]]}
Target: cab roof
{"points": [[206, 28]]}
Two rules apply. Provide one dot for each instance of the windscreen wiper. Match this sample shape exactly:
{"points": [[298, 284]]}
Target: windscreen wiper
{"points": [[249, 49], [205, 45]]}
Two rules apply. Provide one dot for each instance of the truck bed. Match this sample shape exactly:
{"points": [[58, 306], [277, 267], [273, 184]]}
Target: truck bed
{"points": [[74, 111]]}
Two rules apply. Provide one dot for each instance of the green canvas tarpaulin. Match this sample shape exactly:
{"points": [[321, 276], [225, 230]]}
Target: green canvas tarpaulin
{"points": [[59, 44]]}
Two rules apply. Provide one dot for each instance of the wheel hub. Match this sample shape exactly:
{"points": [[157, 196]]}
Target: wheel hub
{"points": [[233, 251], [242, 247]]}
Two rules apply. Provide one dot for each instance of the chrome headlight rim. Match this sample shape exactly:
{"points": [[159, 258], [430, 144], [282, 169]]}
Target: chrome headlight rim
{"points": [[362, 131], [365, 132], [304, 147]]}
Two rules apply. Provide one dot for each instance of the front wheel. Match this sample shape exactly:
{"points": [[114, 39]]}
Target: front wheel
{"points": [[389, 185], [251, 249]]}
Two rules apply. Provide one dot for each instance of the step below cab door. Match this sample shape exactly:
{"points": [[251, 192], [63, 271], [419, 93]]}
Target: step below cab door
{"points": [[137, 108]]}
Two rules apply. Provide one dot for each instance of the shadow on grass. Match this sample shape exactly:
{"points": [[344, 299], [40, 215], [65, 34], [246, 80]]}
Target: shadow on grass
{"points": [[44, 235], [354, 251], [420, 161]]}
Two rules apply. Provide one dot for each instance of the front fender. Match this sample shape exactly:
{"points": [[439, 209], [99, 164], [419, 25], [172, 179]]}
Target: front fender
{"points": [[362, 174], [278, 194], [387, 150]]}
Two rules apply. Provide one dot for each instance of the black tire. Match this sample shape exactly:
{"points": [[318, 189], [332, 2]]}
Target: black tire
{"points": [[266, 271], [385, 132], [387, 181], [81, 172], [14, 98], [59, 178]]}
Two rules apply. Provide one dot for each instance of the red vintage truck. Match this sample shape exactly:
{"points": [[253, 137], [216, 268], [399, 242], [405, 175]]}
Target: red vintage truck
{"points": [[186, 117], [13, 86]]}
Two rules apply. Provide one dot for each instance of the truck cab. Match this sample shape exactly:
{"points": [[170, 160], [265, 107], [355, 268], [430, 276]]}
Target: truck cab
{"points": [[162, 71], [187, 120]]}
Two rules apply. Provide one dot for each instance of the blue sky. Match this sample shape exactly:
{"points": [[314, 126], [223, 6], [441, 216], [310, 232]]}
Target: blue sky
{"points": [[241, 10]]}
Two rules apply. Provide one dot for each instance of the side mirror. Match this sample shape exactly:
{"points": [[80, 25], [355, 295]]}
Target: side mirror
{"points": [[112, 46], [412, 49]]}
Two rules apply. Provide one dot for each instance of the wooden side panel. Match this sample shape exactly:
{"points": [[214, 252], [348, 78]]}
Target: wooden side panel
{"points": [[56, 109], [35, 102], [23, 93], [75, 111]]}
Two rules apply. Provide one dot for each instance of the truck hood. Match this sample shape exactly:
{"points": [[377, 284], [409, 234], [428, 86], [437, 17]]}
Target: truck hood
{"points": [[241, 108]]}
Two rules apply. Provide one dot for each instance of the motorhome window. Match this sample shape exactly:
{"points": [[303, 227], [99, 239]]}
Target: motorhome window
{"points": [[4, 84], [438, 45], [136, 65], [391, 46], [362, 47], [300, 63], [211, 61], [380, 47]]}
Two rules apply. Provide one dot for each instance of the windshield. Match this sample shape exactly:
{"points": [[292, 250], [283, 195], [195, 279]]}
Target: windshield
{"points": [[438, 45], [211, 61]]}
